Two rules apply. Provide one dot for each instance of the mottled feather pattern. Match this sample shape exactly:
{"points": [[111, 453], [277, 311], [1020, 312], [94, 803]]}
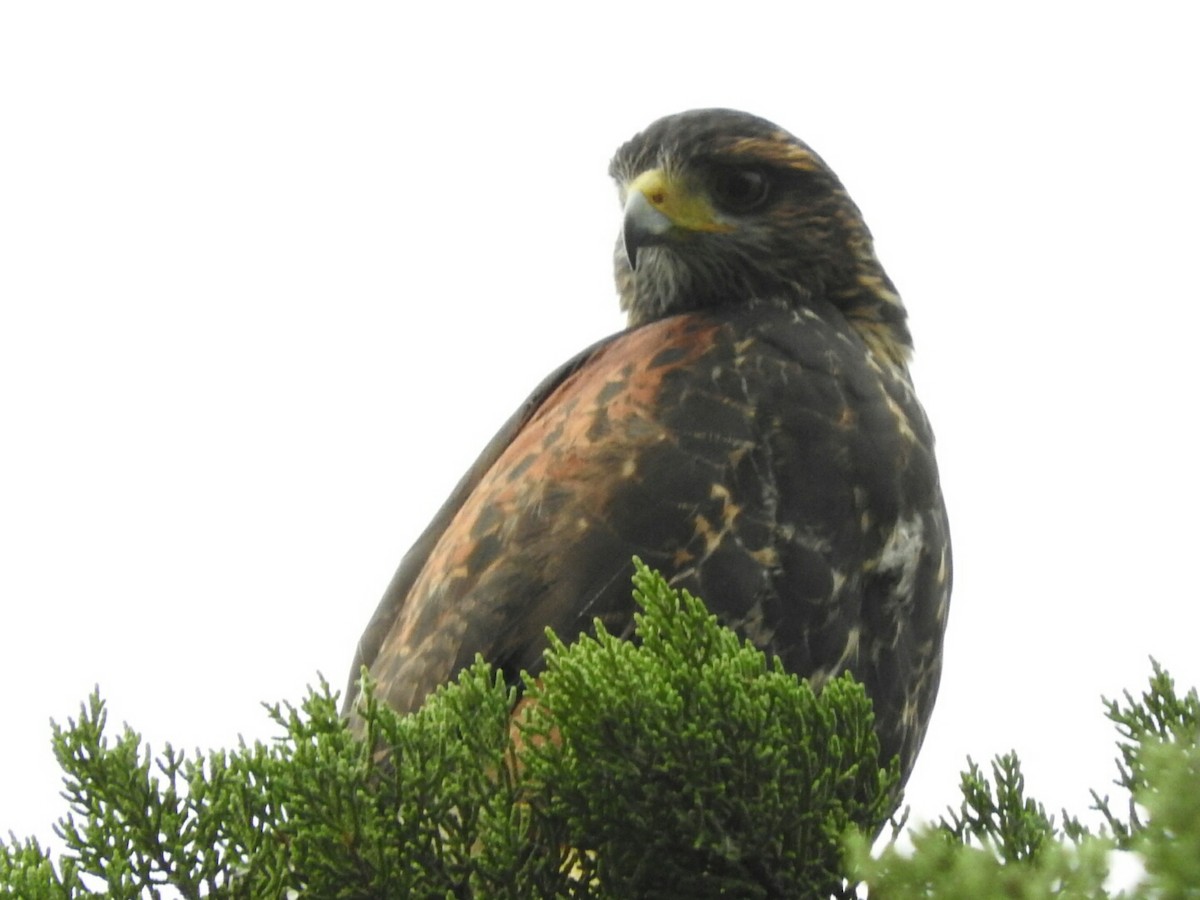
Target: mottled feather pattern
{"points": [[754, 435]]}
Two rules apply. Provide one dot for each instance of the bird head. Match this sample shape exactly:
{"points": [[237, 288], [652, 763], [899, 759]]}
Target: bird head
{"points": [[723, 208]]}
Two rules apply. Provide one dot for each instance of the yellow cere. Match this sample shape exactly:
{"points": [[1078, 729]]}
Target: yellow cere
{"points": [[685, 209]]}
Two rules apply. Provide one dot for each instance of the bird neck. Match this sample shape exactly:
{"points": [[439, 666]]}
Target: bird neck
{"points": [[867, 297], [873, 309], [861, 291]]}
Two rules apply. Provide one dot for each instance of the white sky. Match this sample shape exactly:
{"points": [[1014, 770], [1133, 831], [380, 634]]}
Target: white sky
{"points": [[272, 273]]}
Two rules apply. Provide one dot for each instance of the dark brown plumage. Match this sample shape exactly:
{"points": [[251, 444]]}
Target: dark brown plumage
{"points": [[753, 434]]}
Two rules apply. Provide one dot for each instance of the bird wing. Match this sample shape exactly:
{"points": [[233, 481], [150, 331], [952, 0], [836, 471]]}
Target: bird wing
{"points": [[414, 560], [763, 459]]}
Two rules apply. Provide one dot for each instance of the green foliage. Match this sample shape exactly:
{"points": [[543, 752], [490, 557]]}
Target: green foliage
{"points": [[1001, 843], [1016, 826], [683, 764], [1160, 715], [679, 765], [688, 766], [28, 873], [1170, 841]]}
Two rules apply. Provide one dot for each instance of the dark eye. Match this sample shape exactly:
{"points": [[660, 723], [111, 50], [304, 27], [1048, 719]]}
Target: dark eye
{"points": [[739, 190]]}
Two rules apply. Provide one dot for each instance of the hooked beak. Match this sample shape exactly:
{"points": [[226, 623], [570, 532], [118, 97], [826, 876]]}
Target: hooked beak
{"points": [[644, 226], [657, 207]]}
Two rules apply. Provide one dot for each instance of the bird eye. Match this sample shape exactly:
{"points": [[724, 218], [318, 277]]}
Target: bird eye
{"points": [[739, 190]]}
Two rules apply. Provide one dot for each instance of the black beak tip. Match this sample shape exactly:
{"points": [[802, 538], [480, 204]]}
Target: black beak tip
{"points": [[629, 244]]}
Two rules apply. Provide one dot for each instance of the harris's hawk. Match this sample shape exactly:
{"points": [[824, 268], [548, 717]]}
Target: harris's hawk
{"points": [[753, 434]]}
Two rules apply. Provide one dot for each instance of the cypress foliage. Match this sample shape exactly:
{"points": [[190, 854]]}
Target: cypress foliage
{"points": [[681, 764]]}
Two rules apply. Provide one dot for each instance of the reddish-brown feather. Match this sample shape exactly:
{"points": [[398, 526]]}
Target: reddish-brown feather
{"points": [[755, 436], [557, 470]]}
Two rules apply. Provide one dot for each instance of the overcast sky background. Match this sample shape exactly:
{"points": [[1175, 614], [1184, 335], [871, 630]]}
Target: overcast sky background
{"points": [[272, 273]]}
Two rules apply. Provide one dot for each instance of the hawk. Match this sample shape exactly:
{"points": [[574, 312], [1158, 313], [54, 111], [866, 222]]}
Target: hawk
{"points": [[753, 434]]}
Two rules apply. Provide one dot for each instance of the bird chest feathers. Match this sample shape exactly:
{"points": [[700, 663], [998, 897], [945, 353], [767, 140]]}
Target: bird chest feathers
{"points": [[753, 435]]}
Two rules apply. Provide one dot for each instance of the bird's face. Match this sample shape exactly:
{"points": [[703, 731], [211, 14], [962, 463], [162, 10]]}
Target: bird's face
{"points": [[722, 207]]}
